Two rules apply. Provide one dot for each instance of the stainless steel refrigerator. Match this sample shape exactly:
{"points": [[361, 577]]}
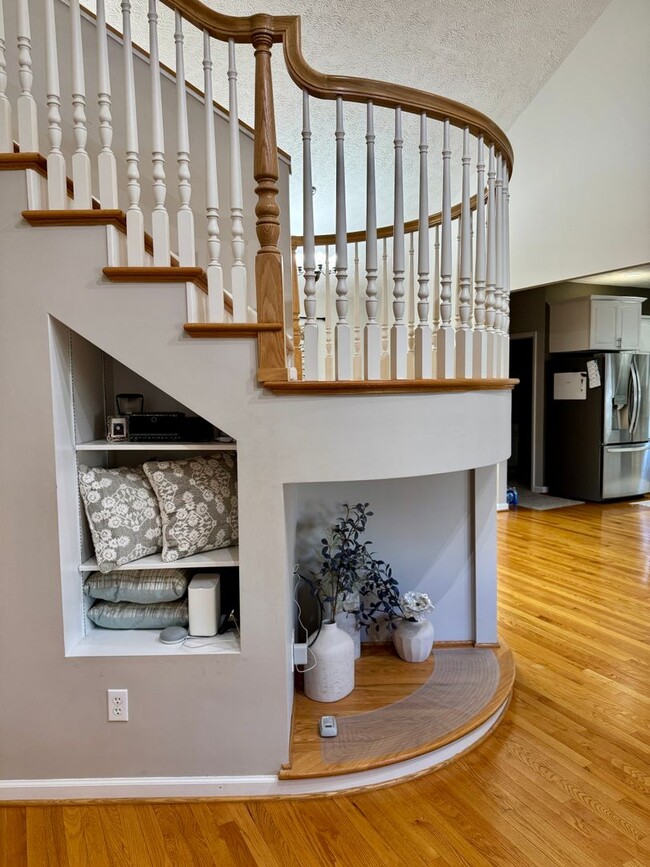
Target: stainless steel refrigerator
{"points": [[598, 425]]}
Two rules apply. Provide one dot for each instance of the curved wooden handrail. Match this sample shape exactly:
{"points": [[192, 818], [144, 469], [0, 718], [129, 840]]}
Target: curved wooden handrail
{"points": [[287, 28], [383, 231]]}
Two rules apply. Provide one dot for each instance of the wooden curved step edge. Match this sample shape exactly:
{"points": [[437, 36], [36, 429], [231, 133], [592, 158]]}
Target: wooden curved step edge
{"points": [[501, 698], [230, 329], [389, 386]]}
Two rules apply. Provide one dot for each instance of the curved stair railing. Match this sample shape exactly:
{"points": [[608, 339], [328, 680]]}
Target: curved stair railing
{"points": [[401, 320]]}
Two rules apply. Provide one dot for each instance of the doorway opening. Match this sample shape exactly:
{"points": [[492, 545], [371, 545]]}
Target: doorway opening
{"points": [[522, 361]]}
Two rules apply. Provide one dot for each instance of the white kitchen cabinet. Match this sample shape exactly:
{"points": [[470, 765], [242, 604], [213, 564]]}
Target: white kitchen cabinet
{"points": [[595, 322]]}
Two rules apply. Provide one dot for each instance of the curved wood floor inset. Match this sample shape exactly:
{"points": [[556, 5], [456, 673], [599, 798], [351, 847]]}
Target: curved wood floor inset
{"points": [[400, 710]]}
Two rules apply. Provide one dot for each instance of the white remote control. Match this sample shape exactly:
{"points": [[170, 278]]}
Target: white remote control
{"points": [[327, 727]]}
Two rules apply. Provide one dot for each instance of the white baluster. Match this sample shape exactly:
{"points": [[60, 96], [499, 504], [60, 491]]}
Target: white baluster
{"points": [[106, 166], [410, 309], [385, 327], [185, 215], [423, 354], [371, 335], [357, 369], [57, 194], [506, 272], [159, 216], [479, 366], [6, 133], [436, 298], [498, 289], [310, 332], [464, 336], [215, 273], [445, 342], [134, 217], [81, 177], [398, 333], [342, 346], [329, 318], [25, 104], [490, 310], [238, 271]]}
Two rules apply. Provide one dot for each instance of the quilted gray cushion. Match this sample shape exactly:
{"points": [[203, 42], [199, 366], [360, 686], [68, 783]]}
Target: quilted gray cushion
{"points": [[144, 586], [129, 615], [198, 503], [123, 514]]}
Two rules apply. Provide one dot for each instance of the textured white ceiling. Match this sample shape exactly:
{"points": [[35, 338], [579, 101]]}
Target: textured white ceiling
{"points": [[493, 55]]}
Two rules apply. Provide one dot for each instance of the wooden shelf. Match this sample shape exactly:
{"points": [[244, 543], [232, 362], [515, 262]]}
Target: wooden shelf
{"points": [[146, 642], [106, 446], [223, 557]]}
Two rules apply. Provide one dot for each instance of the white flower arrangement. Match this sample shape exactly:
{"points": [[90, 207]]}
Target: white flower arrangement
{"points": [[415, 606]]}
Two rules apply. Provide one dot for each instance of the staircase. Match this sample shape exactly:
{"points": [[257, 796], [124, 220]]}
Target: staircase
{"points": [[146, 220]]}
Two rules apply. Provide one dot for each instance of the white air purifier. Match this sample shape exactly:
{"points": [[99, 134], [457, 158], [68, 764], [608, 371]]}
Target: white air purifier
{"points": [[204, 603]]}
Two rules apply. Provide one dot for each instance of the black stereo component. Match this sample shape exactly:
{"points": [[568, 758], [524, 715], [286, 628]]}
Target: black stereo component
{"points": [[145, 427]]}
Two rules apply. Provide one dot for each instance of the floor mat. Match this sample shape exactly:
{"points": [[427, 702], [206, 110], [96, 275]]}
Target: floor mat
{"points": [[542, 502], [462, 682]]}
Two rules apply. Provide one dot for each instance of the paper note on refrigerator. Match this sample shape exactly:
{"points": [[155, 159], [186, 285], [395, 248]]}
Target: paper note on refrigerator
{"points": [[593, 373]]}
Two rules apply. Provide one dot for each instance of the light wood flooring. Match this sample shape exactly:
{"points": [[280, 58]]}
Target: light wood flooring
{"points": [[563, 781]]}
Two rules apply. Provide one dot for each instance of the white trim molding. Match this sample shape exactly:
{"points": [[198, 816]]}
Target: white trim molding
{"points": [[261, 786]]}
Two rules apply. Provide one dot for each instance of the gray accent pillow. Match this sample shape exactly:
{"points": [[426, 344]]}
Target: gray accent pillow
{"points": [[129, 615], [123, 514], [143, 586], [198, 503]]}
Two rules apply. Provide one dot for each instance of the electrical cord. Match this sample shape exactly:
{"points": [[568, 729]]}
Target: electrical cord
{"points": [[304, 629]]}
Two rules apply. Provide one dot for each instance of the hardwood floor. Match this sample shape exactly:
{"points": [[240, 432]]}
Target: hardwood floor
{"points": [[563, 781]]}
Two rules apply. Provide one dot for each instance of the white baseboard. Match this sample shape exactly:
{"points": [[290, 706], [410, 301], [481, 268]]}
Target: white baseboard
{"points": [[539, 489], [502, 507], [263, 786]]}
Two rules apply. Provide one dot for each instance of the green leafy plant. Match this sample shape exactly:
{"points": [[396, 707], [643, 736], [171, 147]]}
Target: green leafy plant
{"points": [[348, 565]]}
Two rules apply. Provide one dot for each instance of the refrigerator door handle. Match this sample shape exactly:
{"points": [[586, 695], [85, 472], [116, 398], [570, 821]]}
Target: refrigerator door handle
{"points": [[619, 449], [636, 397]]}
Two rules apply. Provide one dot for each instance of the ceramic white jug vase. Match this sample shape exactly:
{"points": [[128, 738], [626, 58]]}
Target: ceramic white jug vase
{"points": [[413, 640], [331, 675], [349, 622]]}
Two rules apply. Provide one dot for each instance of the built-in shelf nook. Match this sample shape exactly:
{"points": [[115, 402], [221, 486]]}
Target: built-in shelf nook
{"points": [[85, 382]]}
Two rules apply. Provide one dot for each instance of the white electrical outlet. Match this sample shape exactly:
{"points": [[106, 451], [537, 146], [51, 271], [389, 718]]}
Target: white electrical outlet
{"points": [[118, 705], [300, 656]]}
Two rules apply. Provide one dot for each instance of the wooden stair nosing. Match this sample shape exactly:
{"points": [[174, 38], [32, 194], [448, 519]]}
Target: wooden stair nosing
{"points": [[77, 217], [158, 274], [230, 329]]}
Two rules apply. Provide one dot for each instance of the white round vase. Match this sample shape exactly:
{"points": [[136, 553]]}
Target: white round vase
{"points": [[413, 640], [332, 674], [349, 622]]}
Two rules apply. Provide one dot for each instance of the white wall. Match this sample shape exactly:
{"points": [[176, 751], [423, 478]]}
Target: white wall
{"points": [[420, 526], [579, 192]]}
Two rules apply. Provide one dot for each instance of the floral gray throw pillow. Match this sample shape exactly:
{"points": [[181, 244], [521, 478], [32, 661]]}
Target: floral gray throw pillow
{"points": [[198, 503], [123, 514]]}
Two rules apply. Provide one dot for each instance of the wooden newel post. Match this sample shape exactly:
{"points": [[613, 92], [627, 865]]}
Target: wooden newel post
{"points": [[271, 362]]}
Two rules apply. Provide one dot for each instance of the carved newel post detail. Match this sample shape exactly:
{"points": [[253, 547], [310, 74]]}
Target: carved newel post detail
{"points": [[271, 363]]}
